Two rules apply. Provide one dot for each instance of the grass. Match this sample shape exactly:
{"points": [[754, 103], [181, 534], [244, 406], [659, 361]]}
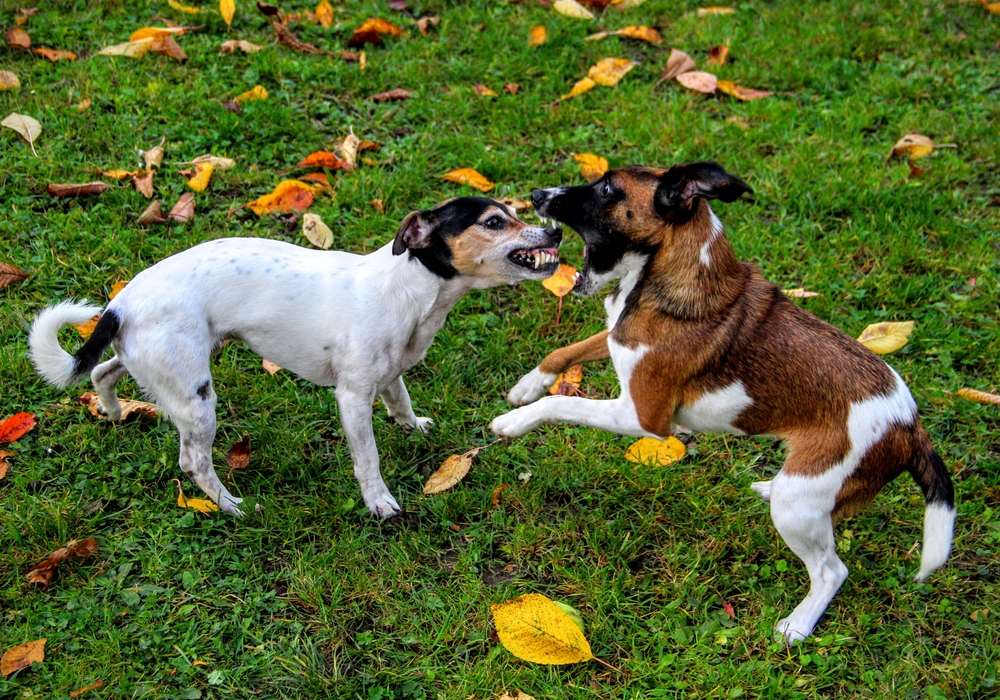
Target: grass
{"points": [[314, 598]]}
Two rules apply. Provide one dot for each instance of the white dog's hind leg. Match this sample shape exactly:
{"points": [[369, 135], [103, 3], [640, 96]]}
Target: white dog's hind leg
{"points": [[802, 517], [105, 378], [397, 403], [356, 416]]}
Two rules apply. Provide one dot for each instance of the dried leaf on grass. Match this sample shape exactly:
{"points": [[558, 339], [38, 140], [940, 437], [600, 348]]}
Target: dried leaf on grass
{"points": [[166, 45], [699, 81], [86, 689], [287, 196], [979, 396], [561, 281], [22, 656], [26, 126], [913, 146], [8, 80], [371, 31], [468, 176], [717, 55], [392, 95], [241, 44], [640, 32], [130, 49], [199, 504], [571, 8], [677, 62], [43, 571], [18, 38], [451, 471], [270, 367], [715, 10], [15, 427], [324, 14], [592, 167], [202, 175], [183, 211], [608, 71], [538, 35], [76, 190], [321, 159], [656, 452], [4, 466], [259, 92], [238, 456], [153, 158], [144, 184], [740, 92], [155, 32], [227, 8], [484, 91], [883, 338], [317, 232], [9, 274], [799, 293], [55, 54], [568, 382], [139, 409], [153, 214], [187, 9], [534, 628]]}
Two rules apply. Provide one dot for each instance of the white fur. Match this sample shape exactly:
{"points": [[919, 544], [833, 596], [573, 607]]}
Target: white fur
{"points": [[703, 254], [939, 526], [55, 364], [716, 411], [531, 387], [628, 270]]}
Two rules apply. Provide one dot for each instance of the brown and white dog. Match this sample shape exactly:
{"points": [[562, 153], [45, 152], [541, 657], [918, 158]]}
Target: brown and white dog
{"points": [[700, 340]]}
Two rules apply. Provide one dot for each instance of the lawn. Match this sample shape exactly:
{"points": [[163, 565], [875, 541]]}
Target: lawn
{"points": [[314, 597]]}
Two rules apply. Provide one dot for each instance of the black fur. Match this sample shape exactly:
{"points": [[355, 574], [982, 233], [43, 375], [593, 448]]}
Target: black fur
{"points": [[204, 389], [447, 221], [707, 179], [928, 470], [87, 357]]}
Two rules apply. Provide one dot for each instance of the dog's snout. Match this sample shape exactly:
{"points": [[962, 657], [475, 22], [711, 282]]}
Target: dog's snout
{"points": [[539, 197]]}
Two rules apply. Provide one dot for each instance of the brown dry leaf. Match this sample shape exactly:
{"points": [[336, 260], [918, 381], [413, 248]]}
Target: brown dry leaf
{"points": [[26, 126], [678, 62], [76, 190], [86, 689], [592, 167], [379, 205], [166, 45], [511, 88], [23, 13], [288, 39], [22, 656], [468, 176], [153, 214], [324, 14], [219, 162], [717, 55], [154, 156], [516, 203], [84, 104], [258, 93], [715, 10], [538, 35], [799, 293], [451, 471], [238, 456], [144, 184], [425, 23], [270, 367], [579, 87], [130, 49], [561, 281], [8, 80], [366, 145], [183, 210], [653, 451], [392, 95], [55, 54], [288, 196], [571, 8], [319, 179], [86, 329], [913, 146], [9, 274], [140, 409], [608, 71], [883, 338], [348, 149], [15, 427], [18, 38], [979, 396], [4, 466], [371, 32], [484, 91], [321, 159], [740, 92], [202, 175], [199, 504], [568, 382], [699, 81], [43, 571], [316, 232], [241, 44], [227, 8]]}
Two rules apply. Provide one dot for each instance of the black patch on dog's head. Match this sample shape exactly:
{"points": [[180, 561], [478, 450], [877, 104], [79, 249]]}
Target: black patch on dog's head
{"points": [[425, 233], [684, 183]]}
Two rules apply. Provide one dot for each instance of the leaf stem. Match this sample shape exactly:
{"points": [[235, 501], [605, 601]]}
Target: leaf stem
{"points": [[607, 665]]}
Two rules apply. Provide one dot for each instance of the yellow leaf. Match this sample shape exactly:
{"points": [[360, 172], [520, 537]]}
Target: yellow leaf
{"points": [[538, 36], [219, 162], [641, 32], [533, 628], [468, 176], [571, 8], [979, 396], [131, 49], [183, 8], [653, 451], [116, 289], [258, 93], [451, 471], [227, 8], [202, 174], [592, 167], [156, 32], [22, 656], [561, 281], [324, 13], [912, 146], [26, 126], [8, 80], [700, 81], [567, 382], [608, 71], [316, 232], [715, 10], [992, 7], [799, 293], [883, 338], [580, 87], [120, 174], [288, 195], [484, 91], [740, 92], [199, 504]]}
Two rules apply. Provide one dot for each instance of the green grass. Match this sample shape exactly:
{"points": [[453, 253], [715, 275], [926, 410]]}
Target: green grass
{"points": [[314, 598]]}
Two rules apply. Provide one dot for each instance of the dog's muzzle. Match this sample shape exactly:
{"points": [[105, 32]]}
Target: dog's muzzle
{"points": [[540, 199]]}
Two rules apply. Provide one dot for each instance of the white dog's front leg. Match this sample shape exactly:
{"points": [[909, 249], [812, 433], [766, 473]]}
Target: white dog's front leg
{"points": [[356, 416], [616, 415], [531, 387], [397, 403]]}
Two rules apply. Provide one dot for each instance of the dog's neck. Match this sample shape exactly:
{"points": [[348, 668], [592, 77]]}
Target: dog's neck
{"points": [[694, 273]]}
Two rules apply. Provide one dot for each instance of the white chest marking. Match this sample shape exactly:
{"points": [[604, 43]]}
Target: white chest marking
{"points": [[627, 270], [716, 411]]}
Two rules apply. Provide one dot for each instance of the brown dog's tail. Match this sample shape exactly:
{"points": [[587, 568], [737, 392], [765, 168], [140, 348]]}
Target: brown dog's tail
{"points": [[928, 470]]}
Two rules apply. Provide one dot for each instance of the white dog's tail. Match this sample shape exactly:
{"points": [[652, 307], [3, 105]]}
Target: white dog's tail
{"points": [[55, 364], [928, 470]]}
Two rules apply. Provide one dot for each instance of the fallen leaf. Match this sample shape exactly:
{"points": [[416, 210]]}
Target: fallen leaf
{"points": [[592, 167], [979, 396], [468, 176], [86, 689], [238, 456], [561, 281], [83, 105], [511, 88], [571, 8], [166, 45], [677, 62], [9, 274], [579, 87], [883, 338], [517, 204], [495, 500], [399, 5], [715, 10], [316, 232], [697, 80], [202, 175], [740, 92], [608, 71], [155, 32], [371, 31], [568, 382], [269, 10], [153, 214], [199, 662], [116, 288], [451, 471], [184, 8], [642, 33], [320, 179], [4, 466], [366, 145], [655, 452], [392, 95], [286, 38], [55, 54], [799, 293], [321, 159], [991, 7], [425, 23], [727, 607], [86, 329], [717, 55], [43, 571], [535, 629], [76, 190], [227, 8], [23, 13], [140, 409], [27, 127], [324, 14], [379, 205], [144, 184], [288, 195], [130, 49], [219, 162], [8, 80], [22, 656], [119, 174], [243, 45], [484, 91], [16, 426], [19, 38], [153, 158], [538, 35], [270, 367], [348, 149], [199, 504], [183, 210], [519, 696], [912, 146], [258, 93]]}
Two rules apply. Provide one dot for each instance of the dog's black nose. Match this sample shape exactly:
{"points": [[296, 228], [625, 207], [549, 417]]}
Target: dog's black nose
{"points": [[538, 196]]}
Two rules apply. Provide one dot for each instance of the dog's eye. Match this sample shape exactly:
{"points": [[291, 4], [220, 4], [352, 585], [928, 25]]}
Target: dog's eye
{"points": [[493, 222], [606, 189]]}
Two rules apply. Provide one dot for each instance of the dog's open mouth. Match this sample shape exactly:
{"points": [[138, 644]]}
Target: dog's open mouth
{"points": [[535, 258]]}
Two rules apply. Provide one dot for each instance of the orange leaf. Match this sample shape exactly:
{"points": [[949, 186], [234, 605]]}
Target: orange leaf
{"points": [[120, 174], [468, 176], [321, 159], [289, 195], [116, 289], [43, 571], [55, 54], [642, 33], [538, 36], [238, 456], [700, 81], [717, 55], [741, 93], [568, 382], [22, 656], [76, 190], [86, 689], [19, 38], [86, 328], [271, 368], [484, 91], [561, 282], [592, 167], [324, 14], [14, 427], [155, 32], [979, 396], [371, 32], [4, 466]]}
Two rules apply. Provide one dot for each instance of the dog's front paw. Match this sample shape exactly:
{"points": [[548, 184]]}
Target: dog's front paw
{"points": [[531, 387], [789, 631], [513, 424], [382, 504], [424, 425]]}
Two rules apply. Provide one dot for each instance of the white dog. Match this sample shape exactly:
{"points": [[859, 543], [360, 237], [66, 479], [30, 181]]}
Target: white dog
{"points": [[351, 322]]}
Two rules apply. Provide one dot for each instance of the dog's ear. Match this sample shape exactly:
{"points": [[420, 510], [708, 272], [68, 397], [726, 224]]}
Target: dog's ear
{"points": [[683, 183], [414, 232]]}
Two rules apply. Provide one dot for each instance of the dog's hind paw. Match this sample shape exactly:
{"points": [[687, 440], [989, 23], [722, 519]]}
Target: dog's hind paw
{"points": [[787, 631], [424, 425], [531, 387]]}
